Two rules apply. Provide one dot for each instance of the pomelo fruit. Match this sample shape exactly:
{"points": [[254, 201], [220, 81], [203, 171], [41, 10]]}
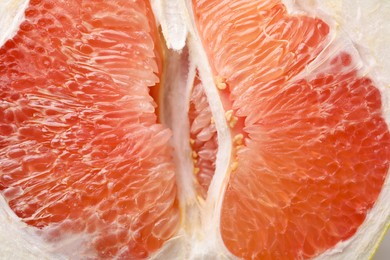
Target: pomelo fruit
{"points": [[76, 123], [196, 129]]}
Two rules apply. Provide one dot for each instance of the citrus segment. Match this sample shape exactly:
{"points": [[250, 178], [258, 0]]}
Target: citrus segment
{"points": [[203, 136], [80, 149], [317, 148]]}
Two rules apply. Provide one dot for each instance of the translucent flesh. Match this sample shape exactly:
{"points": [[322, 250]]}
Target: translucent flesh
{"points": [[317, 148], [203, 137], [80, 150]]}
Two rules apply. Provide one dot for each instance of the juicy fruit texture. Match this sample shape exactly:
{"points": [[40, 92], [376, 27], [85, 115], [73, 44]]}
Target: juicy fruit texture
{"points": [[316, 150], [77, 125], [203, 137], [84, 161]]}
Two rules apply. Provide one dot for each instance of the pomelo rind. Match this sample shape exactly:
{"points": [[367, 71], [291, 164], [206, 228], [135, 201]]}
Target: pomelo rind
{"points": [[380, 240]]}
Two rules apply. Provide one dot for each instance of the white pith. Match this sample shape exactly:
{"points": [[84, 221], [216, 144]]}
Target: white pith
{"points": [[11, 16], [199, 237]]}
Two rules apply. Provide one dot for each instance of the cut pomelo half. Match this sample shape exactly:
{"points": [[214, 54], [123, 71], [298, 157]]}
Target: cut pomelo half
{"points": [[77, 128], [317, 148], [274, 139]]}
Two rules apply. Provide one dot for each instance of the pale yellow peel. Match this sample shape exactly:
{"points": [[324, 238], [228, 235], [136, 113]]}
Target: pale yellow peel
{"points": [[382, 236]]}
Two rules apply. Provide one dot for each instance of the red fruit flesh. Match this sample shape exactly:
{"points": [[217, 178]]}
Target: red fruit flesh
{"points": [[317, 149], [80, 148]]}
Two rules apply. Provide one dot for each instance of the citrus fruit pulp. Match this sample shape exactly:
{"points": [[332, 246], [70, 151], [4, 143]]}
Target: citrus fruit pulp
{"points": [[307, 138], [323, 132], [76, 117], [203, 137]]}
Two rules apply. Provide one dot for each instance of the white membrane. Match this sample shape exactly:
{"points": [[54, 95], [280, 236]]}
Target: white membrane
{"points": [[17, 240], [170, 15], [199, 237], [11, 16]]}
